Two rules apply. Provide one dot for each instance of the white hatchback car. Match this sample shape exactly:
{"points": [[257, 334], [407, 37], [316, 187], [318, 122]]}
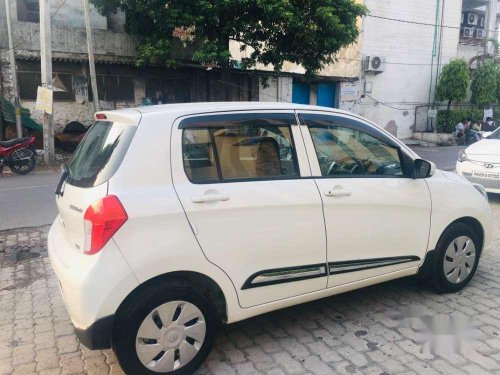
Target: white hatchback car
{"points": [[173, 218], [480, 162]]}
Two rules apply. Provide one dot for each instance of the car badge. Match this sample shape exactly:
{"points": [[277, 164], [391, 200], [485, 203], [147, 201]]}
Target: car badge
{"points": [[488, 165]]}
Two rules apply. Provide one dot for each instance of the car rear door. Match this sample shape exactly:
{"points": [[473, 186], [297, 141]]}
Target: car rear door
{"points": [[94, 162], [239, 177], [377, 217]]}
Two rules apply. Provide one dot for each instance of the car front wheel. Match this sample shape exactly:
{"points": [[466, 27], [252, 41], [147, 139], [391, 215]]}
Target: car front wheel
{"points": [[455, 259], [169, 329]]}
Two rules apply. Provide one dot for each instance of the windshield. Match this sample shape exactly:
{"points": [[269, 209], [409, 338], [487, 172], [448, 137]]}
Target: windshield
{"points": [[494, 135], [99, 154]]}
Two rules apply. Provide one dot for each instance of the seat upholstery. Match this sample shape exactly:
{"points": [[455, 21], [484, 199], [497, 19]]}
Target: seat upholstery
{"points": [[268, 158], [13, 142]]}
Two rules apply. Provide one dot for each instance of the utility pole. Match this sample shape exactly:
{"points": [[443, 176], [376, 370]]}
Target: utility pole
{"points": [[13, 71], [46, 62], [490, 25], [90, 48]]}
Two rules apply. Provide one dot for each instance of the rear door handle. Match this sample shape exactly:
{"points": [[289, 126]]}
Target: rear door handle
{"points": [[338, 191], [210, 198]]}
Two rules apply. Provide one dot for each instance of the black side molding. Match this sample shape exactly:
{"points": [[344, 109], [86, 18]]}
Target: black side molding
{"points": [[285, 275], [365, 264], [312, 271]]}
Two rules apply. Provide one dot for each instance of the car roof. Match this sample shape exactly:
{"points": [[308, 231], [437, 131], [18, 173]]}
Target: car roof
{"points": [[133, 116], [182, 109], [226, 106]]}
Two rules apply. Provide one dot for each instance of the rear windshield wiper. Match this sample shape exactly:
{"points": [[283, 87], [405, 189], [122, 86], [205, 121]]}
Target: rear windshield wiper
{"points": [[65, 174]]}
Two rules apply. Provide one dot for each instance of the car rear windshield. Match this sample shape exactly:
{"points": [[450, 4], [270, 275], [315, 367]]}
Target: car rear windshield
{"points": [[100, 153]]}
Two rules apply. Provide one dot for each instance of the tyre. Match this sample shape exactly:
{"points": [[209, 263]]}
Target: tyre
{"points": [[23, 154], [454, 262], [166, 329]]}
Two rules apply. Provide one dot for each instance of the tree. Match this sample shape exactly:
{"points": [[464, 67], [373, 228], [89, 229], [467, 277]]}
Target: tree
{"points": [[453, 83], [306, 32], [484, 84]]}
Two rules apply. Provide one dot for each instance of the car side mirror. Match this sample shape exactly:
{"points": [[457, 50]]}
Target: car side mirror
{"points": [[423, 168]]}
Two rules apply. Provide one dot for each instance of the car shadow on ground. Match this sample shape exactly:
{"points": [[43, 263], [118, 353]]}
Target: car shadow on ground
{"points": [[347, 313]]}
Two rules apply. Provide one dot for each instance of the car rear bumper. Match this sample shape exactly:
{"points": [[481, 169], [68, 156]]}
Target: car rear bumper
{"points": [[98, 335], [92, 286]]}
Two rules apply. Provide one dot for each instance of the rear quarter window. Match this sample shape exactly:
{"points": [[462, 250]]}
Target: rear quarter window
{"points": [[100, 153]]}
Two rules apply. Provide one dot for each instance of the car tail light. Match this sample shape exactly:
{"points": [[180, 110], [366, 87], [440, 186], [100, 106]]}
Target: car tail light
{"points": [[102, 220], [100, 116]]}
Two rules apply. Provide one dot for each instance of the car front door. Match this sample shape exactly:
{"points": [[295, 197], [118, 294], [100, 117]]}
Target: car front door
{"points": [[377, 217], [239, 177]]}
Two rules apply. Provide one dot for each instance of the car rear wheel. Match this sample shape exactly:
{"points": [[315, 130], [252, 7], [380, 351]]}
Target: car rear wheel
{"points": [[169, 329], [455, 259]]}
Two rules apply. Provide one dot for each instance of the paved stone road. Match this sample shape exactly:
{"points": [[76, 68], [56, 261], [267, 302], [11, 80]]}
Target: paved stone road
{"points": [[354, 333]]}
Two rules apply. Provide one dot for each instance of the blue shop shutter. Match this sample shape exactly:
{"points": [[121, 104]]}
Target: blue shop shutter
{"points": [[300, 93], [326, 95]]}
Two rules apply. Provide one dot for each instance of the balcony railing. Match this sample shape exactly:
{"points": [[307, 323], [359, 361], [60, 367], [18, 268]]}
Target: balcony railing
{"points": [[479, 42]]}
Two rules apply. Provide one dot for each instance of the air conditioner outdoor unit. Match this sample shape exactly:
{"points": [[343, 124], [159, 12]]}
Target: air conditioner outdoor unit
{"points": [[374, 64], [482, 21], [472, 19], [468, 32], [480, 33]]}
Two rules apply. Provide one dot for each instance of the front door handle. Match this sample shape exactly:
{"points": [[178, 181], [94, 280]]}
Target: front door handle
{"points": [[210, 198], [338, 191]]}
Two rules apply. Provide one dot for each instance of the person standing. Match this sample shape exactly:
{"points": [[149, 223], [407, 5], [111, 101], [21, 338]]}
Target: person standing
{"points": [[460, 132]]}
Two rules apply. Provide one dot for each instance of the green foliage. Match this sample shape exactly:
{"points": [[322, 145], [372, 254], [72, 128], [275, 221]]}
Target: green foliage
{"points": [[453, 81], [484, 84], [456, 116], [306, 32]]}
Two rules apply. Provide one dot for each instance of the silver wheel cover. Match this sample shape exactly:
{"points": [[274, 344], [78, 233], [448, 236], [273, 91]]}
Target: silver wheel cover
{"points": [[170, 336], [459, 259]]}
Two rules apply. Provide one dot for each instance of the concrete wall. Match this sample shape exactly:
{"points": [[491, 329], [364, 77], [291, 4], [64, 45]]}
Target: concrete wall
{"points": [[407, 49], [69, 13], [467, 52], [67, 40], [275, 89], [68, 31]]}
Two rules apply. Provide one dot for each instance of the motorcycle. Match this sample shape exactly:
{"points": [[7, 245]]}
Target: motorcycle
{"points": [[18, 154]]}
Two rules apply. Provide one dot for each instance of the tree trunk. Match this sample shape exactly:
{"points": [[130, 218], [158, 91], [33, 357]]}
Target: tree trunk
{"points": [[447, 114], [225, 70]]}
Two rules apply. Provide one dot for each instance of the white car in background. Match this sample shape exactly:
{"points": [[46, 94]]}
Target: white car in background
{"points": [[480, 162], [174, 218]]}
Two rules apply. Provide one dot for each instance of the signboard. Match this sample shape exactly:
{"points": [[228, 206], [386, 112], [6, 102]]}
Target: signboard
{"points": [[432, 113], [44, 100], [106, 106], [349, 91], [487, 113]]}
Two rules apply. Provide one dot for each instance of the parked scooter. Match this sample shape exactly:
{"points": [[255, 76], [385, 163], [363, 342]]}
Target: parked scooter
{"points": [[18, 154]]}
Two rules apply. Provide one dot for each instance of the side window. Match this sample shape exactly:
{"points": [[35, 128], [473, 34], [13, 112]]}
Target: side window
{"points": [[199, 156], [239, 147], [344, 151]]}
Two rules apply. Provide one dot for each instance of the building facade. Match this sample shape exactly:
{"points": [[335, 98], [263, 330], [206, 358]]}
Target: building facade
{"points": [[120, 82], [123, 84], [404, 48], [389, 75], [337, 85]]}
